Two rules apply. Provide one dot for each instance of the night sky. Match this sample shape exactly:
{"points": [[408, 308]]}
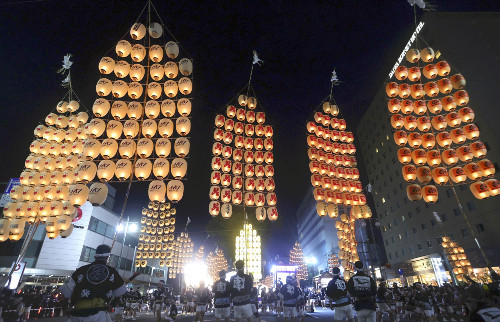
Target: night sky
{"points": [[300, 41]]}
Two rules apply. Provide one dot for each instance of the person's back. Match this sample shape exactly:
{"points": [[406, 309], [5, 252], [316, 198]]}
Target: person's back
{"points": [[222, 294], [240, 288], [290, 295], [339, 298], [363, 288]]}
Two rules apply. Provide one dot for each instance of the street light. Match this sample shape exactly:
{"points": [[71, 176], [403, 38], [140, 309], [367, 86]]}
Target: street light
{"points": [[128, 227]]}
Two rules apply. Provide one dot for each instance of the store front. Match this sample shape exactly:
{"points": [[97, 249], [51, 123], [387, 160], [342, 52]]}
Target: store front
{"points": [[428, 270]]}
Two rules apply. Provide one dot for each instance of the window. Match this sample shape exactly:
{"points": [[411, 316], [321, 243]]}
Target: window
{"points": [[406, 234], [456, 211], [411, 249], [392, 239], [390, 257], [480, 228], [402, 252], [397, 204], [439, 240], [471, 206], [403, 218], [393, 160], [396, 254], [419, 246], [101, 227], [394, 191], [395, 222], [387, 242], [405, 200], [423, 226], [399, 235], [409, 214], [429, 244], [87, 254], [464, 232], [110, 231], [414, 230], [444, 217], [376, 150], [418, 210], [389, 225], [383, 200], [449, 193], [433, 222], [387, 137]]}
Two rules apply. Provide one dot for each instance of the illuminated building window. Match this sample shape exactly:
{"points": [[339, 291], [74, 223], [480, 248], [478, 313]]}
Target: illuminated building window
{"points": [[403, 218], [429, 244], [376, 150], [387, 137], [383, 200], [400, 237]]}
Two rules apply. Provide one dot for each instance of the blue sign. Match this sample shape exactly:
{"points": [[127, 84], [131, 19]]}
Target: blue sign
{"points": [[400, 271], [12, 183]]}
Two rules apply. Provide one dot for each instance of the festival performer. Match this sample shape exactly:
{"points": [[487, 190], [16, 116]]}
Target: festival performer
{"points": [[222, 302], [241, 286], [290, 295], [363, 288]]}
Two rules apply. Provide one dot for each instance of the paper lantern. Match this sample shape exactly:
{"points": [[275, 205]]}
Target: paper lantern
{"points": [[440, 175], [419, 156], [78, 194], [478, 149], [444, 139], [450, 157], [181, 146], [471, 131], [412, 55], [461, 97], [414, 192], [106, 170], [175, 190], [480, 190], [414, 139], [183, 125], [145, 147], [407, 107], [394, 105], [16, 227], [417, 91], [91, 149], [433, 158], [404, 155], [448, 103], [473, 171], [410, 122], [171, 69], [493, 186], [170, 88], [434, 106], [431, 89], [414, 74], [453, 119], [185, 85], [401, 138], [186, 66], [457, 174], [95, 128], [319, 194], [172, 49], [98, 193], [156, 190], [444, 86], [430, 71], [119, 89], [392, 90], [86, 171], [401, 72], [409, 172], [424, 174], [123, 169], [142, 169], [161, 168], [114, 129], [424, 123], [427, 54], [178, 168], [464, 153], [430, 194], [404, 90], [443, 68], [487, 167], [168, 108]]}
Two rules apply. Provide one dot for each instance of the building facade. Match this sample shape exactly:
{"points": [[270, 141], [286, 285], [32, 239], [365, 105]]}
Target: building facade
{"points": [[411, 231]]}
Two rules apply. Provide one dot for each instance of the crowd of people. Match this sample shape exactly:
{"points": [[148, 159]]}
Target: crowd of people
{"points": [[94, 290]]}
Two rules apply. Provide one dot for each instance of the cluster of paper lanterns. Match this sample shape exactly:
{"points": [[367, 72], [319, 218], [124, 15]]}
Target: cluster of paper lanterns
{"points": [[242, 163], [216, 262], [457, 258], [433, 125], [348, 253], [333, 261], [334, 175], [183, 254], [297, 259], [200, 254], [53, 182], [156, 238], [142, 114], [248, 249]]}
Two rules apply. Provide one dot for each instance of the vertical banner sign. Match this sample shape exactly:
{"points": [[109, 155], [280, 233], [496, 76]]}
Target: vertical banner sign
{"points": [[16, 275]]}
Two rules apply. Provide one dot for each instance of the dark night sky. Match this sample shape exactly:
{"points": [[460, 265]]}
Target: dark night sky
{"points": [[300, 42]]}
